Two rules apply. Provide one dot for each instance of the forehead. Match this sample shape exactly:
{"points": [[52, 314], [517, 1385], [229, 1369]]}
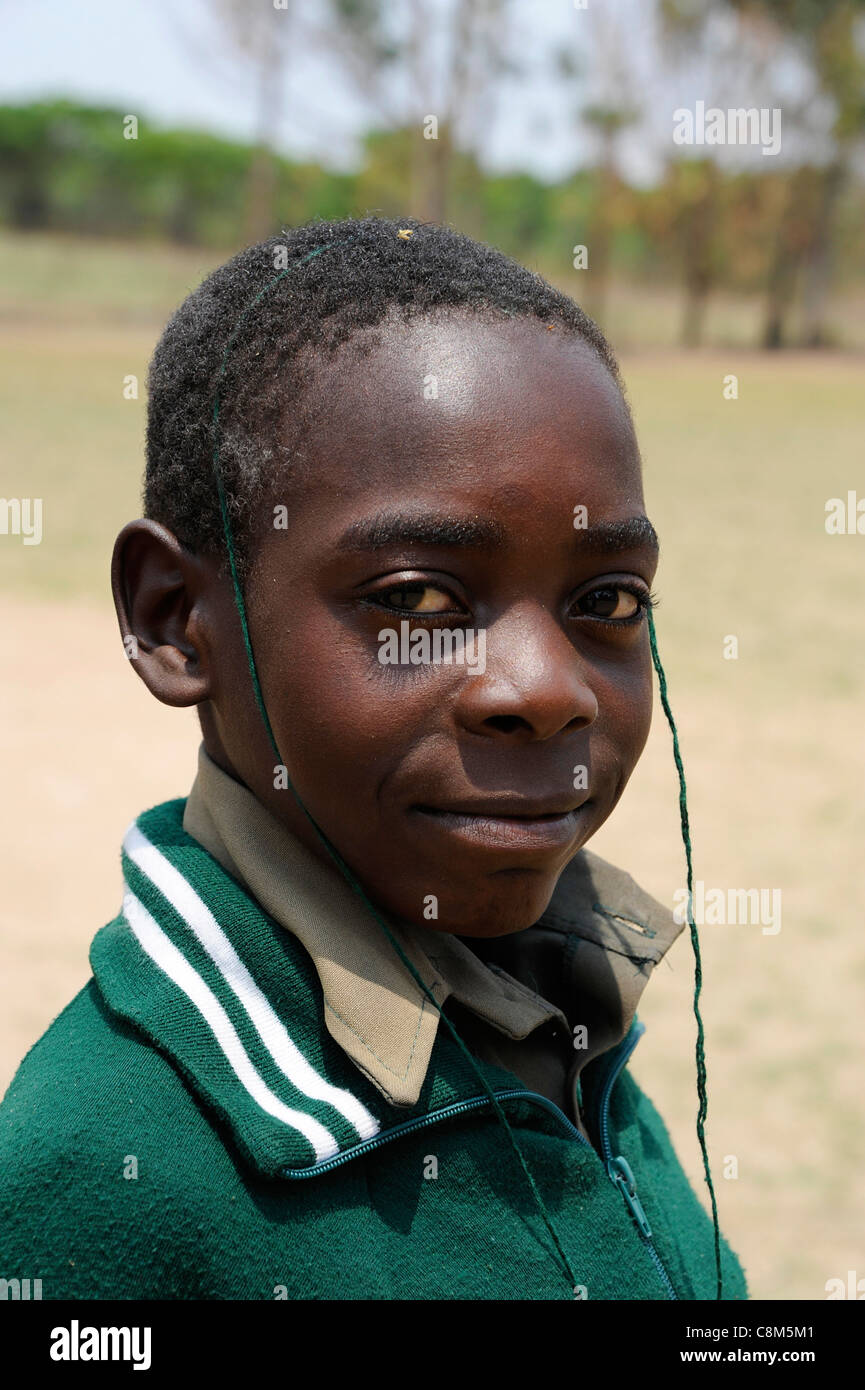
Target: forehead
{"points": [[504, 414]]}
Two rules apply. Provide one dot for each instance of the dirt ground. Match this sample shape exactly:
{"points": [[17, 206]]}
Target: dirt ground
{"points": [[84, 749]]}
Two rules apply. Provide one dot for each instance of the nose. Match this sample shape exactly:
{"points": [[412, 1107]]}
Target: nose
{"points": [[534, 685]]}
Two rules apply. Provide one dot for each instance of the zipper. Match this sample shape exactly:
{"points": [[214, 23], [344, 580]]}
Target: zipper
{"points": [[424, 1122], [618, 1168]]}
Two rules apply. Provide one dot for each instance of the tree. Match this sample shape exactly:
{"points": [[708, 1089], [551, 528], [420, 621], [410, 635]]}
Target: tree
{"points": [[826, 38], [431, 68], [608, 122]]}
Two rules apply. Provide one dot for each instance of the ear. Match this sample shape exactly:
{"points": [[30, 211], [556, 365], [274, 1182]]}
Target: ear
{"points": [[161, 596]]}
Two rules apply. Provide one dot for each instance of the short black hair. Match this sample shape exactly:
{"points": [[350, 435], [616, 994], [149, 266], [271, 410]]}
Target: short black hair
{"points": [[259, 362]]}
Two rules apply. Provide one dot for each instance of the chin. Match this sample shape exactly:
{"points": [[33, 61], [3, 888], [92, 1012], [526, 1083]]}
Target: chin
{"points": [[516, 902]]}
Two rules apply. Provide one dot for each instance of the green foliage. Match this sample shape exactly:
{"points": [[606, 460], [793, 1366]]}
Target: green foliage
{"points": [[67, 167]]}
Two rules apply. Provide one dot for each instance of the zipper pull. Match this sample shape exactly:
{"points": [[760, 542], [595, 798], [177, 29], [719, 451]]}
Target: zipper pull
{"points": [[619, 1170]]}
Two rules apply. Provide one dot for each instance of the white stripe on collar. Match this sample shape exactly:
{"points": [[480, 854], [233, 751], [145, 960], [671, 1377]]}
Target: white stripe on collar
{"points": [[178, 891], [172, 962]]}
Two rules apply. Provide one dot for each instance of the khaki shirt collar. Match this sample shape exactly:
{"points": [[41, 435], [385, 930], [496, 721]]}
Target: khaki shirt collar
{"points": [[373, 1008]]}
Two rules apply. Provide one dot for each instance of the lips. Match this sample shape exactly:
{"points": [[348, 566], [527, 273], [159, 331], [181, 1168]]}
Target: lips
{"points": [[510, 807], [510, 823]]}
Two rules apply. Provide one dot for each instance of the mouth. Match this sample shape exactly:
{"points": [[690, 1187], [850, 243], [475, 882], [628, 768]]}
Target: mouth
{"points": [[507, 825]]}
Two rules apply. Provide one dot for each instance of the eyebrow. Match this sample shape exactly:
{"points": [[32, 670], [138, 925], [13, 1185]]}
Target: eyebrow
{"points": [[424, 528], [612, 537]]}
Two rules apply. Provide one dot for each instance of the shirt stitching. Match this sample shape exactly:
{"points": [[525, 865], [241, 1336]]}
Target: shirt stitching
{"points": [[393, 1071]]}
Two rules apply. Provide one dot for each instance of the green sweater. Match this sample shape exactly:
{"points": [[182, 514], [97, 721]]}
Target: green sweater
{"points": [[188, 1129]]}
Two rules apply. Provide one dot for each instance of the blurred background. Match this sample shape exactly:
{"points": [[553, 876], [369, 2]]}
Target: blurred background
{"points": [[142, 144]]}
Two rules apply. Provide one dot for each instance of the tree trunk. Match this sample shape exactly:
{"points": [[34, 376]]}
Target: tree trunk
{"points": [[420, 195], [261, 185], [818, 263], [260, 195], [599, 233], [781, 275], [694, 315], [699, 249]]}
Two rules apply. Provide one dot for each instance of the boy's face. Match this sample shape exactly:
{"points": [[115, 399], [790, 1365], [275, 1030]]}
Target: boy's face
{"points": [[439, 486]]}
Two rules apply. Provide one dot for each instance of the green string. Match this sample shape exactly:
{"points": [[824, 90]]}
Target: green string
{"points": [[695, 942], [357, 888]]}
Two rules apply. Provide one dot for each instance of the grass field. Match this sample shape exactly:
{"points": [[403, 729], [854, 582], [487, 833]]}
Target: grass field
{"points": [[772, 741]]}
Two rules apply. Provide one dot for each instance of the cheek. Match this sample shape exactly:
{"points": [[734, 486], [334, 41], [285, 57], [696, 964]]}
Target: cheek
{"points": [[639, 719], [626, 712], [340, 715]]}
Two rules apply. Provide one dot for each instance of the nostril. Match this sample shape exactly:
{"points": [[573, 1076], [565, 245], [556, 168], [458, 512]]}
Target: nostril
{"points": [[506, 723]]}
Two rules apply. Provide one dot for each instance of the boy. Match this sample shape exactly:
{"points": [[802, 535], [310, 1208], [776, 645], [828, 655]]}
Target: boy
{"points": [[361, 1027]]}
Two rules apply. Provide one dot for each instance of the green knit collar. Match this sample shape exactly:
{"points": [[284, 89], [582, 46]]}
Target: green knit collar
{"points": [[212, 980], [233, 999]]}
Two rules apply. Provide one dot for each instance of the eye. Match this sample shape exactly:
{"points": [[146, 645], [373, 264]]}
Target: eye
{"points": [[613, 603], [417, 598]]}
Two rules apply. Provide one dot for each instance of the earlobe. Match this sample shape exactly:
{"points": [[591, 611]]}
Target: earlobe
{"points": [[158, 587]]}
